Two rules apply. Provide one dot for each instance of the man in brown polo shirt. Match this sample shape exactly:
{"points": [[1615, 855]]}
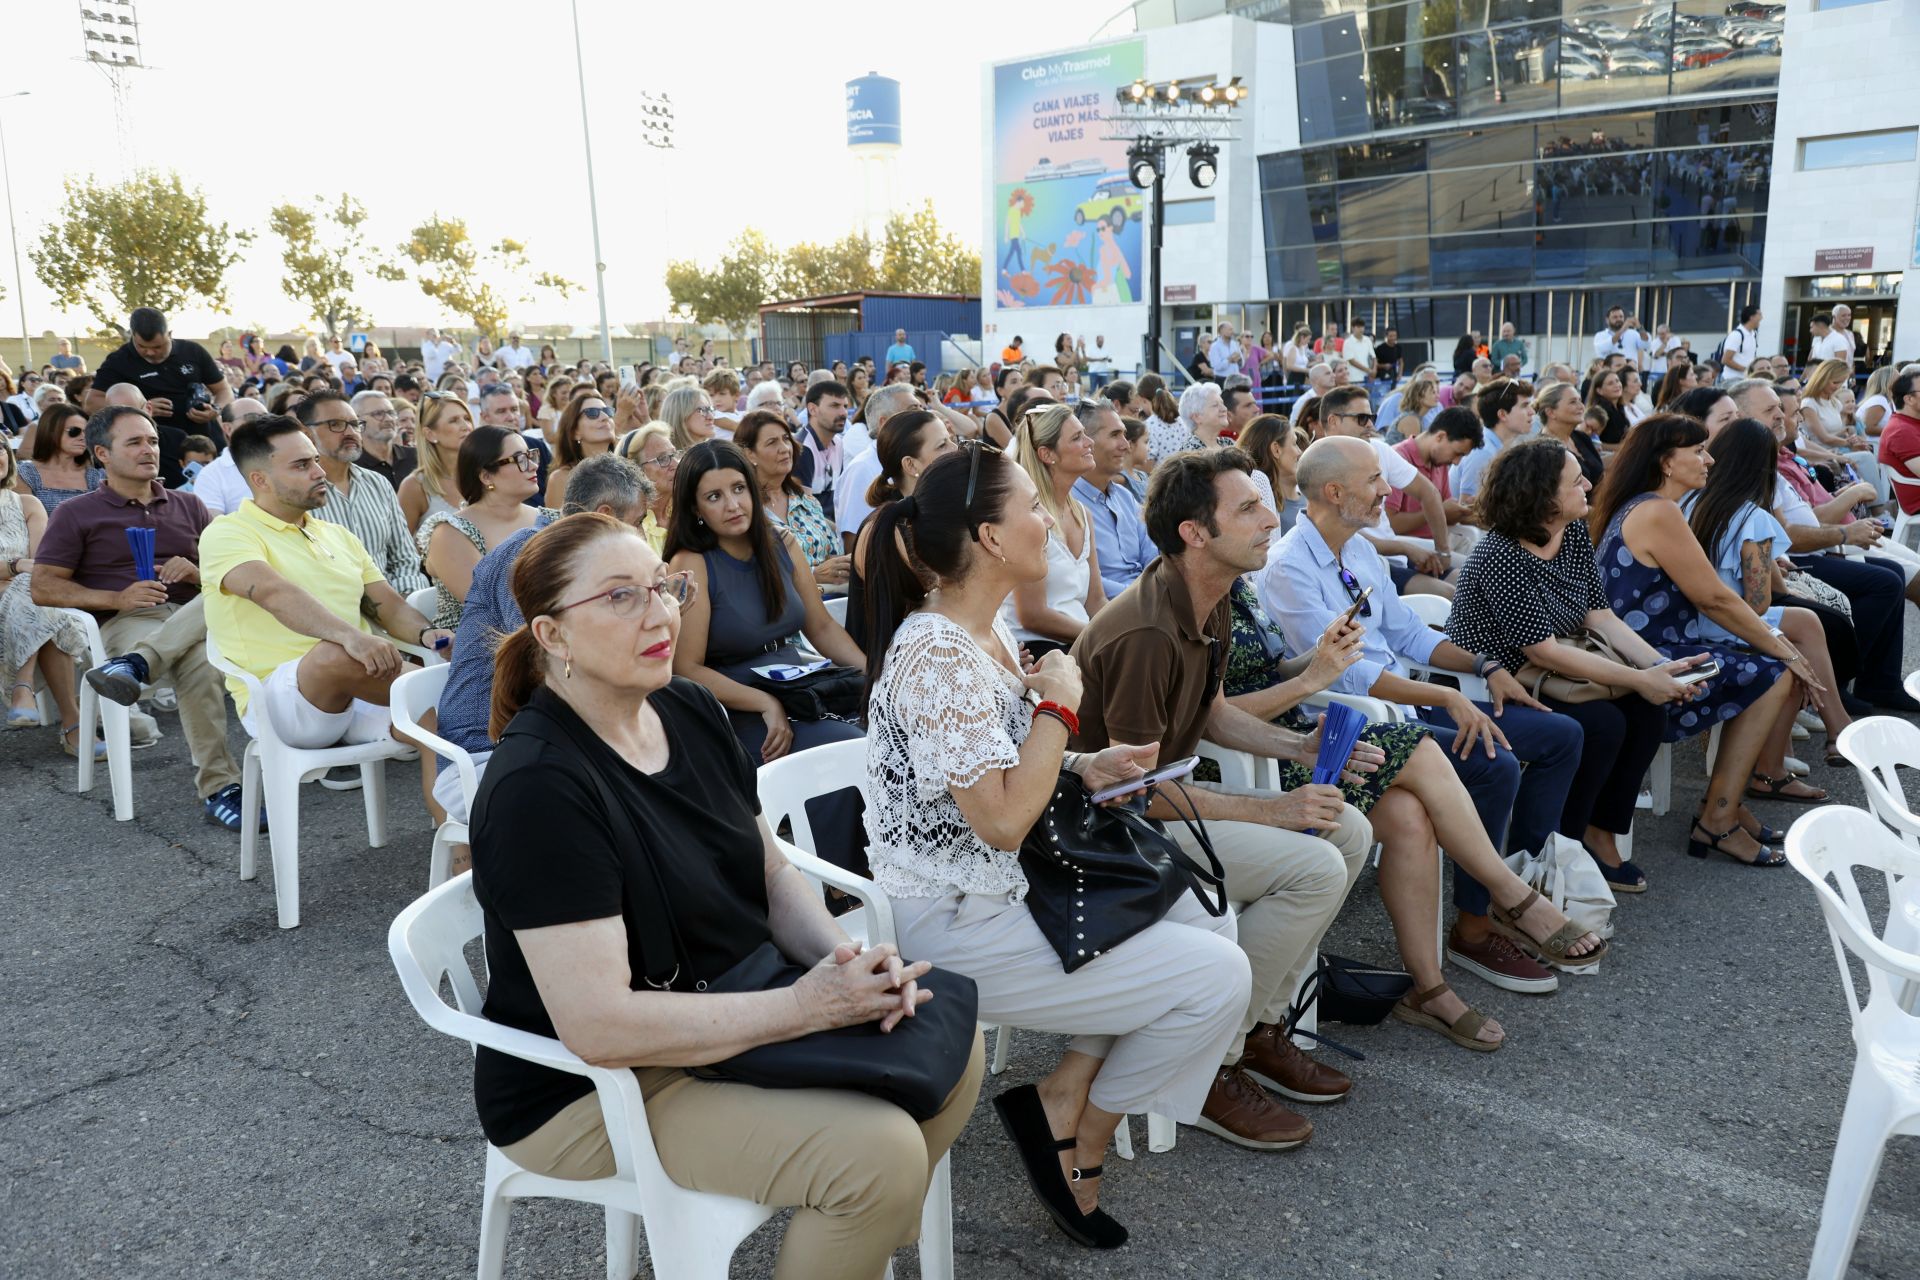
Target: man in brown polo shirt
{"points": [[157, 626], [1152, 662]]}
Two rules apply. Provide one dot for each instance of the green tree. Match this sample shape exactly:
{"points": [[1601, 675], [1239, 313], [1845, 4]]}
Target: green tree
{"points": [[730, 293], [812, 270], [145, 242], [477, 282], [320, 248], [919, 255]]}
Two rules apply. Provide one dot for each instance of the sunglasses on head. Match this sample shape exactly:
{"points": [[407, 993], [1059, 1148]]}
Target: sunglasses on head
{"points": [[977, 447]]}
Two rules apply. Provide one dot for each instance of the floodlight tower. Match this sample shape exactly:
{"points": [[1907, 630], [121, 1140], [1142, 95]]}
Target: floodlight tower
{"points": [[110, 43]]}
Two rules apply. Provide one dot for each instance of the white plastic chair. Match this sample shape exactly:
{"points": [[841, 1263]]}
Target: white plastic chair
{"points": [[1828, 846], [115, 726], [1913, 684], [1876, 747], [1434, 611], [412, 696], [784, 786], [1902, 522], [284, 768], [690, 1234], [836, 608], [425, 602]]}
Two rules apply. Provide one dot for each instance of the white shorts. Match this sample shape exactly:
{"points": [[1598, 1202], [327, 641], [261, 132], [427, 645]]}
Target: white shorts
{"points": [[446, 786], [305, 727]]}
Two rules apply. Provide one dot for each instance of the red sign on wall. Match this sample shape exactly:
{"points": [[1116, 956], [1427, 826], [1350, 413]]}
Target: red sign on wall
{"points": [[1179, 293], [1855, 259]]}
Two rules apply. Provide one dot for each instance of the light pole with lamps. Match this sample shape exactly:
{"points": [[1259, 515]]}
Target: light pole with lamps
{"points": [[13, 232], [593, 200], [1153, 119]]}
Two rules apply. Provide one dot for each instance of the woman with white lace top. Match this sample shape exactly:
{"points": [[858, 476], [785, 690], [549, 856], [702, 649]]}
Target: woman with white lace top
{"points": [[964, 750], [1055, 450]]}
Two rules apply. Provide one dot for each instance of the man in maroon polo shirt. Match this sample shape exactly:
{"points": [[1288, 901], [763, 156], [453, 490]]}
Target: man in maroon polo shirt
{"points": [[157, 626], [1900, 439]]}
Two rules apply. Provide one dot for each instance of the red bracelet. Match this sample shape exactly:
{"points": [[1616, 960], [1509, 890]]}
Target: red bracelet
{"points": [[1062, 714]]}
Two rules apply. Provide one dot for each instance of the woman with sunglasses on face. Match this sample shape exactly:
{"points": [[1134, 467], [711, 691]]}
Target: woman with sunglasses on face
{"points": [[33, 638], [58, 469], [497, 474], [445, 422], [585, 429]]}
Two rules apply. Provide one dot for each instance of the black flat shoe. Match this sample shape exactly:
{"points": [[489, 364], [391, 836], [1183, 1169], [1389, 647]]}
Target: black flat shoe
{"points": [[1025, 1120], [1696, 848]]}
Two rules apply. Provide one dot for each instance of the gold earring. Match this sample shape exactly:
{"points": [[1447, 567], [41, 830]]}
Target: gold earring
{"points": [[568, 673]]}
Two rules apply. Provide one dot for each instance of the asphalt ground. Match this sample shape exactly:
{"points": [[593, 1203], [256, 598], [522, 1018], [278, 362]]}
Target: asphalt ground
{"points": [[187, 1090]]}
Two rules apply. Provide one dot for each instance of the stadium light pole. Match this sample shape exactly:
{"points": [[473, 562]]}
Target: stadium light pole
{"points": [[593, 200], [1155, 120], [13, 233]]}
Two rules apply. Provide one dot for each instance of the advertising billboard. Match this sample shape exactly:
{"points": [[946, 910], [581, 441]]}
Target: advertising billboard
{"points": [[1068, 221]]}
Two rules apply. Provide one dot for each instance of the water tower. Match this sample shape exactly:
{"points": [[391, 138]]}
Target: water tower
{"points": [[873, 139]]}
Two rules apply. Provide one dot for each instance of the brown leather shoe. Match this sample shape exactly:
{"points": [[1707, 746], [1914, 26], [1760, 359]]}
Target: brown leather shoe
{"points": [[1275, 1061], [1240, 1111]]}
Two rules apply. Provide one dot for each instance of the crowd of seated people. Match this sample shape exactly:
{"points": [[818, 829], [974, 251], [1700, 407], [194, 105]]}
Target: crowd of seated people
{"points": [[1047, 582]]}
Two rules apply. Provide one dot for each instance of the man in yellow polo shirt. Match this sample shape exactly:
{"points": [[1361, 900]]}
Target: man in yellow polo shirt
{"points": [[287, 599]]}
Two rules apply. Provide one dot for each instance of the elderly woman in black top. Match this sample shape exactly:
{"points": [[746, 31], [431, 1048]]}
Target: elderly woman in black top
{"points": [[1531, 580], [558, 875]]}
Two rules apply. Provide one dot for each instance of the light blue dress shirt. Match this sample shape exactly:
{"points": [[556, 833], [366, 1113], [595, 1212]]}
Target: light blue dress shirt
{"points": [[1301, 590], [1119, 534]]}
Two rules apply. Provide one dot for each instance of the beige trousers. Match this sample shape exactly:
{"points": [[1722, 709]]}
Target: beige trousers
{"points": [[1288, 888], [855, 1167], [173, 641]]}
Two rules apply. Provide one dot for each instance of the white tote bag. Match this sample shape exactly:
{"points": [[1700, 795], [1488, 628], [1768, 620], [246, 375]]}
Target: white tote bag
{"points": [[1567, 876]]}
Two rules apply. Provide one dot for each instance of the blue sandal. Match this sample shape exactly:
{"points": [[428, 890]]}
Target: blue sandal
{"points": [[1625, 878]]}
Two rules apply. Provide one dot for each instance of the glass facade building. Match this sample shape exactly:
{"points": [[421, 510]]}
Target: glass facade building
{"points": [[1521, 147]]}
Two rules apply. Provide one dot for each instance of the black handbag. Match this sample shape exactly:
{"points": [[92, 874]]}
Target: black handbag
{"points": [[831, 693], [915, 1066], [1347, 991], [1098, 874]]}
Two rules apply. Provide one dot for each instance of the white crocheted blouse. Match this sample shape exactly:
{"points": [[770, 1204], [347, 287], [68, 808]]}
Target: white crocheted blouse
{"points": [[944, 712]]}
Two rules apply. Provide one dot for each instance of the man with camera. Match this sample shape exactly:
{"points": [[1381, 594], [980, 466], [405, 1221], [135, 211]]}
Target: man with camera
{"points": [[184, 387]]}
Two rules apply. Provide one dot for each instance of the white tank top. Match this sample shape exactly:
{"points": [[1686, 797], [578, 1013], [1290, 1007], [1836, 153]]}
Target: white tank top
{"points": [[1068, 579]]}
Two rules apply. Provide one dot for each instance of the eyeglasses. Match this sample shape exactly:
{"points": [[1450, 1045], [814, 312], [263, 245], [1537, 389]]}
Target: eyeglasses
{"points": [[339, 426], [382, 415], [977, 447], [705, 411], [666, 461], [1352, 585], [676, 589], [601, 412], [523, 460]]}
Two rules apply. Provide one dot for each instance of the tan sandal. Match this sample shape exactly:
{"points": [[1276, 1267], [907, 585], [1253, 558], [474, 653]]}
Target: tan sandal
{"points": [[1551, 950], [1463, 1031]]}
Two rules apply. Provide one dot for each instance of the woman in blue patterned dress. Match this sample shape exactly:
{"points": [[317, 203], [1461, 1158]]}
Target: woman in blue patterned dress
{"points": [[1660, 583]]}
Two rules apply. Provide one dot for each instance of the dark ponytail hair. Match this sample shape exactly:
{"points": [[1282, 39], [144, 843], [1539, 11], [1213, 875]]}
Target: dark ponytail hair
{"points": [[937, 529], [899, 440], [543, 580], [1635, 467]]}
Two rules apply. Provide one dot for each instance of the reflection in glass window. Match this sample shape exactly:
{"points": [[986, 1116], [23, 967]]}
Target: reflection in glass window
{"points": [[1888, 146], [1507, 70], [1384, 208], [1333, 98], [1387, 264], [1715, 50], [1493, 199], [1573, 254], [1472, 261]]}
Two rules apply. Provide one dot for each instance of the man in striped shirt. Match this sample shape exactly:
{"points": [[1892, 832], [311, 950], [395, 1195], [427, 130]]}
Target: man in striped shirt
{"points": [[358, 498]]}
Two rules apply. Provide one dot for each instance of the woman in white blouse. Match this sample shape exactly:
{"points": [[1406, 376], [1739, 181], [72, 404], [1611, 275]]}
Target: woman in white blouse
{"points": [[964, 751], [1823, 418], [1055, 450], [1297, 355]]}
